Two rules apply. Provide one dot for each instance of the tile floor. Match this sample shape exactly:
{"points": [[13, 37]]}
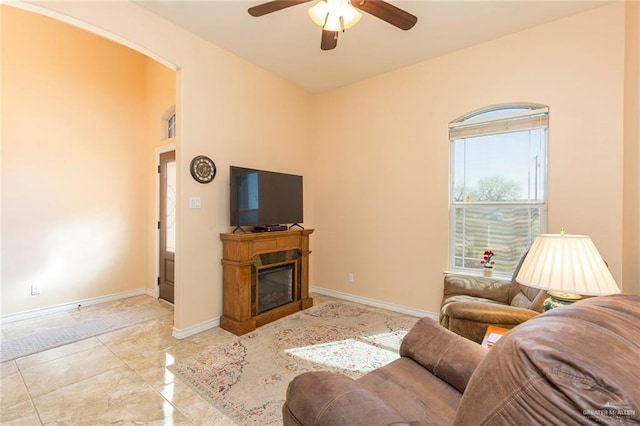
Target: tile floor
{"points": [[117, 377]]}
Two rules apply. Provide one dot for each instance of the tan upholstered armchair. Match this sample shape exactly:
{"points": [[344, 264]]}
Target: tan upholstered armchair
{"points": [[470, 304]]}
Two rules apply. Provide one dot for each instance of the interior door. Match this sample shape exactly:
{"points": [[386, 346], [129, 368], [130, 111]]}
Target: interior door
{"points": [[167, 225]]}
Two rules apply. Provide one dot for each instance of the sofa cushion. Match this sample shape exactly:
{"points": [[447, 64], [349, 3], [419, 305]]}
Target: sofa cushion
{"points": [[447, 302], [529, 298], [470, 318], [571, 365], [410, 389], [521, 300], [325, 398], [442, 352]]}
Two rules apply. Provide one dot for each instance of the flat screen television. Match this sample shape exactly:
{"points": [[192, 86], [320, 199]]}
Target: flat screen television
{"points": [[262, 199]]}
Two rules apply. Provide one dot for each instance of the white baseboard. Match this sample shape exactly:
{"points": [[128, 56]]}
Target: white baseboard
{"points": [[215, 322], [374, 302], [72, 305], [190, 331]]}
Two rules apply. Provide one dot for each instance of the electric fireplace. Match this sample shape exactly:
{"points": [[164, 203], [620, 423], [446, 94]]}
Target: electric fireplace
{"points": [[265, 277]]}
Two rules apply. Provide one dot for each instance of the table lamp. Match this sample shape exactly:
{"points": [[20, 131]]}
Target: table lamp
{"points": [[567, 266]]}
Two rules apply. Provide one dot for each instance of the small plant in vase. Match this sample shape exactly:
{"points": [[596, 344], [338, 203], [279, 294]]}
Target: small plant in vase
{"points": [[488, 262]]}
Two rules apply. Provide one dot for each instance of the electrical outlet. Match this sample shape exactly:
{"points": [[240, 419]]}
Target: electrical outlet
{"points": [[35, 289], [350, 277]]}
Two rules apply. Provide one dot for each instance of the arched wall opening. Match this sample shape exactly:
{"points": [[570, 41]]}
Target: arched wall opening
{"points": [[82, 107]]}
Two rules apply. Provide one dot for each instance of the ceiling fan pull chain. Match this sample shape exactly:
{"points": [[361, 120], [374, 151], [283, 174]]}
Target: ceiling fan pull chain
{"points": [[342, 23]]}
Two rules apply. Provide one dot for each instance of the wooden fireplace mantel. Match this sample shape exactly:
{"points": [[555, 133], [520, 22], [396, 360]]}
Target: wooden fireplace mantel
{"points": [[239, 252]]}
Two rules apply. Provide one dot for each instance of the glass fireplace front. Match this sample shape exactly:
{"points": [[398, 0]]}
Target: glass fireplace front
{"points": [[274, 286]]}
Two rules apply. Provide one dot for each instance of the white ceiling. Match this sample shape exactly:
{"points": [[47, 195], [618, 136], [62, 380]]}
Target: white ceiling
{"points": [[287, 42]]}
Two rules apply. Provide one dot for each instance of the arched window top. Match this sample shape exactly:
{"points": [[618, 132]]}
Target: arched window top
{"points": [[499, 119], [499, 111]]}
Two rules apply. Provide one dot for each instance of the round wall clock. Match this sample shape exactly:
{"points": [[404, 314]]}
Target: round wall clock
{"points": [[203, 169]]}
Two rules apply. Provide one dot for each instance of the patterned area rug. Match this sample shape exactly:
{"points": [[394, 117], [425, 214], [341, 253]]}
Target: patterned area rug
{"points": [[247, 379], [48, 339]]}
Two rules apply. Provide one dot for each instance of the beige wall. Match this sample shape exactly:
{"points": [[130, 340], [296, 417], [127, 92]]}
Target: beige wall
{"points": [[263, 124], [631, 258], [82, 226], [73, 146], [381, 196]]}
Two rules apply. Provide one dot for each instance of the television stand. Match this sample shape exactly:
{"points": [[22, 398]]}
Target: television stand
{"points": [[296, 224]]}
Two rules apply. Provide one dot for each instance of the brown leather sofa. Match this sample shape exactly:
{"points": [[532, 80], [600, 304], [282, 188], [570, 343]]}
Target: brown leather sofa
{"points": [[470, 304], [572, 365]]}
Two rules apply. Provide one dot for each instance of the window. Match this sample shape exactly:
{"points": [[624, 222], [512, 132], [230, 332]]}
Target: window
{"points": [[498, 190], [171, 126]]}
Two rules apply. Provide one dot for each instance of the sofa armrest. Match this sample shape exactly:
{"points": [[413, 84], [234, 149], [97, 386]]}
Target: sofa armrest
{"points": [[450, 357], [489, 313], [324, 398], [487, 288]]}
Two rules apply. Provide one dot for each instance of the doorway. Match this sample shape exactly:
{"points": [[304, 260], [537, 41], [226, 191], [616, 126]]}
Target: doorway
{"points": [[167, 225]]}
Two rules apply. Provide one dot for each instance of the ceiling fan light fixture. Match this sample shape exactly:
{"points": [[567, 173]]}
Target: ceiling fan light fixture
{"points": [[334, 15]]}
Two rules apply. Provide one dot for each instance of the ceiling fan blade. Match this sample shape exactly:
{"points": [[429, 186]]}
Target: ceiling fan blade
{"points": [[273, 6], [387, 12], [329, 40]]}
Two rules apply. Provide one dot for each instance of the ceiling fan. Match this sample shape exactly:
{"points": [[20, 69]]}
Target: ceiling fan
{"points": [[334, 16]]}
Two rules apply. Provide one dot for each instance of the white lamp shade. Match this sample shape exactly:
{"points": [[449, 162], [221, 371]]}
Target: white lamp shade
{"points": [[568, 264], [335, 9]]}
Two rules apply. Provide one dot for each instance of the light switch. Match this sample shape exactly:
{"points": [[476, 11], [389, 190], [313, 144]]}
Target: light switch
{"points": [[194, 203]]}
